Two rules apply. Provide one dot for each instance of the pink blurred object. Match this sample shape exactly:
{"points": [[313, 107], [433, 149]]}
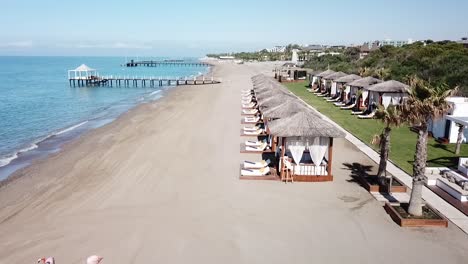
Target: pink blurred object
{"points": [[94, 259]]}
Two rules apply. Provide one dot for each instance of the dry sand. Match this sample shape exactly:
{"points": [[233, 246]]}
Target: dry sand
{"points": [[160, 185]]}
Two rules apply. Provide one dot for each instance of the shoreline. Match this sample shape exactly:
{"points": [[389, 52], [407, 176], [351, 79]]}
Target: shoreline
{"points": [[53, 143], [162, 184]]}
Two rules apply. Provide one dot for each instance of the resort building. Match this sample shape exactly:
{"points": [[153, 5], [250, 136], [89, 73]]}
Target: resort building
{"points": [[445, 129], [368, 47]]}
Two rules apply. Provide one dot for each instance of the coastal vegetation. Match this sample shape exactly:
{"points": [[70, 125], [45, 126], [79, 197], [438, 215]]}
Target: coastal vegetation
{"points": [[438, 63]]}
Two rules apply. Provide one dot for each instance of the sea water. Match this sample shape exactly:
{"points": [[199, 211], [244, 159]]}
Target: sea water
{"points": [[39, 111]]}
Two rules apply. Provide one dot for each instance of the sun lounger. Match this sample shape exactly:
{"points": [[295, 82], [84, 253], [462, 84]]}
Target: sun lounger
{"points": [[357, 112], [255, 128], [252, 119], [255, 172], [247, 91], [262, 147], [339, 104], [369, 116], [254, 143], [250, 112], [322, 95], [333, 99], [250, 105], [256, 165], [348, 107], [254, 133]]}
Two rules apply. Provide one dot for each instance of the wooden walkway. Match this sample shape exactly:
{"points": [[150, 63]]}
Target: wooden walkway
{"points": [[152, 63], [127, 81]]}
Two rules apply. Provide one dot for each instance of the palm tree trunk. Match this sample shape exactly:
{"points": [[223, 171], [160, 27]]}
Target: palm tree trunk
{"points": [[419, 167], [384, 151], [459, 139]]}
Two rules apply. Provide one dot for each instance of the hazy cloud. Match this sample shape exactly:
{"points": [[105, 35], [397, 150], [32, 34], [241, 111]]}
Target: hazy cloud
{"points": [[16, 44]]}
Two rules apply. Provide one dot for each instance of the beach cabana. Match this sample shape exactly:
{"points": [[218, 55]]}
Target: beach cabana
{"points": [[285, 109], [306, 146], [321, 81], [331, 83], [313, 78], [343, 84], [386, 93], [361, 85]]}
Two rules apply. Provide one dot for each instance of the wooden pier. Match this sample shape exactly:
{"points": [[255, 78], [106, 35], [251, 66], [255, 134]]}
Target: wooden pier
{"points": [[152, 63], [127, 81]]}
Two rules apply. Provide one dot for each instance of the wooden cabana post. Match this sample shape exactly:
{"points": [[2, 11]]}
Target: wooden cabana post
{"points": [[330, 157]]}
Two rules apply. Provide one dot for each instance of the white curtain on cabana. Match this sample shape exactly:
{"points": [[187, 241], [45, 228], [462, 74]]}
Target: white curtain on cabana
{"points": [[333, 88], [386, 100], [297, 152], [397, 98], [318, 149], [364, 96]]}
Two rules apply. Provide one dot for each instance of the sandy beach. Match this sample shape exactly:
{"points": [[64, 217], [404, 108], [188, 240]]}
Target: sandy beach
{"points": [[161, 185]]}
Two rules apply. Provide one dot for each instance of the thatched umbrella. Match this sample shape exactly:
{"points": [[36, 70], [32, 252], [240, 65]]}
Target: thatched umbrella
{"points": [[274, 101], [365, 82], [271, 93], [325, 73], [304, 124], [389, 87], [286, 109], [348, 78], [334, 76]]}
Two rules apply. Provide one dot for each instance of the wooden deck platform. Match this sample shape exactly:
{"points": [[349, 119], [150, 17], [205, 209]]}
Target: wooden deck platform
{"points": [[461, 206], [153, 63], [151, 81], [273, 176]]}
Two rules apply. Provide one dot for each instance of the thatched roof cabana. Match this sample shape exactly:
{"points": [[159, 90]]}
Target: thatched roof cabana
{"points": [[274, 101], [365, 82], [389, 87], [335, 76], [304, 124], [286, 109], [305, 131], [325, 73], [348, 78]]}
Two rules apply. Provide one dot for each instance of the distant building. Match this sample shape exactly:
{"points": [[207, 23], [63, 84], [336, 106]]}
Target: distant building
{"points": [[277, 49], [464, 42], [227, 57], [368, 47], [310, 51]]}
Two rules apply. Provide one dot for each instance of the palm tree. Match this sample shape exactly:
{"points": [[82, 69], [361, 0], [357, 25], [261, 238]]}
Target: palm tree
{"points": [[425, 103], [390, 117], [382, 73]]}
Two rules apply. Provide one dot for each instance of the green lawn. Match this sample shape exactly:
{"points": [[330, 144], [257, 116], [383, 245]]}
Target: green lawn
{"points": [[403, 141]]}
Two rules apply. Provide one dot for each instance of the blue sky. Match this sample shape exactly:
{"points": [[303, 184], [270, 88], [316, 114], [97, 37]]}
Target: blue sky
{"points": [[193, 28]]}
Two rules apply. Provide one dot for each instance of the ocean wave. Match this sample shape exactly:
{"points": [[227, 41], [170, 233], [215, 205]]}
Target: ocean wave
{"points": [[9, 158], [155, 92], [69, 129]]}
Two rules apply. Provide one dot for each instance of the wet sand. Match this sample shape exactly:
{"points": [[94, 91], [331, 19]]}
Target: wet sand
{"points": [[161, 185]]}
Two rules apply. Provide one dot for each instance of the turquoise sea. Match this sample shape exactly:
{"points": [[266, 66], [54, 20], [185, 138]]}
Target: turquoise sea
{"points": [[39, 111]]}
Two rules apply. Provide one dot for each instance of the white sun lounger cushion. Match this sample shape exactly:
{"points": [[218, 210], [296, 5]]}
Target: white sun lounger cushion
{"points": [[258, 132], [259, 148], [256, 165], [255, 128], [253, 143], [253, 111], [255, 172]]}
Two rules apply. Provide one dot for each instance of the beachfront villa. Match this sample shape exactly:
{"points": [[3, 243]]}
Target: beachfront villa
{"points": [[446, 129]]}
